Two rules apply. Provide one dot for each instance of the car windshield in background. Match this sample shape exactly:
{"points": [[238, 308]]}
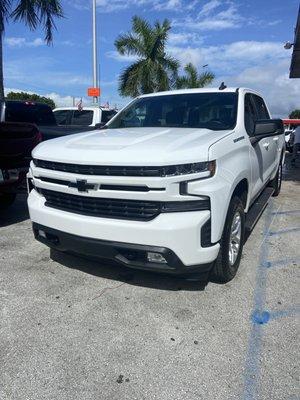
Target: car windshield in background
{"points": [[82, 117], [107, 115], [215, 111], [38, 114]]}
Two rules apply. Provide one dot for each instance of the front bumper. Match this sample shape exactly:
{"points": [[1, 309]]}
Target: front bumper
{"points": [[178, 232], [127, 254]]}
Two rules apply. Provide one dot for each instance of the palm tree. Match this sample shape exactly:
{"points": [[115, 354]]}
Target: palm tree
{"points": [[33, 13], [193, 79], [154, 70]]}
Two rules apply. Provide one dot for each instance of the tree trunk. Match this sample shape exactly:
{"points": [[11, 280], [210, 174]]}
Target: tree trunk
{"points": [[1, 69]]}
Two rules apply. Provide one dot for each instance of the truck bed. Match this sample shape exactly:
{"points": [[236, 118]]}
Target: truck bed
{"points": [[55, 131]]}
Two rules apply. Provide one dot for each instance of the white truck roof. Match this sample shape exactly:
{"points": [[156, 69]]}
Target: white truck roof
{"points": [[84, 108], [200, 90]]}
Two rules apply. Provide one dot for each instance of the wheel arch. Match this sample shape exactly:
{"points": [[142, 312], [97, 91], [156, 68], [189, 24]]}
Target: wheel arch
{"points": [[241, 190]]}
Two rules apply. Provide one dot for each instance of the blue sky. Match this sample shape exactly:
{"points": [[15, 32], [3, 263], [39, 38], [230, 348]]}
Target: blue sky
{"points": [[240, 40]]}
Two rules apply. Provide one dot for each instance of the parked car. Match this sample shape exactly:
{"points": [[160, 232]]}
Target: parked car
{"points": [[17, 140], [289, 126], [171, 185], [86, 116], [39, 114]]}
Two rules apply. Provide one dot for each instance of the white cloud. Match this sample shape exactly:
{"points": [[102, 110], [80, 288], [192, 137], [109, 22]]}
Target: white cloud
{"points": [[106, 6], [209, 7], [208, 20], [272, 81], [21, 42], [276, 22], [65, 101], [167, 5], [232, 57], [115, 55], [263, 66], [182, 38]]}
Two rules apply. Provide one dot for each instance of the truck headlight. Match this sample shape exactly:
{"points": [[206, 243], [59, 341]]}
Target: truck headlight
{"points": [[207, 168]]}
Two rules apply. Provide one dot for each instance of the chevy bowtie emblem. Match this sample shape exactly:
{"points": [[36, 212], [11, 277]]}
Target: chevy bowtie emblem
{"points": [[82, 185]]}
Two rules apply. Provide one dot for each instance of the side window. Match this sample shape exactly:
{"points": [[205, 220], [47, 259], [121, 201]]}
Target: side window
{"points": [[62, 116], [262, 112], [84, 117], [107, 115], [250, 115]]}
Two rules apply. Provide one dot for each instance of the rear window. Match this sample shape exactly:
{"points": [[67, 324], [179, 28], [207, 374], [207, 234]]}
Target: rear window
{"points": [[39, 114], [62, 116], [84, 117]]}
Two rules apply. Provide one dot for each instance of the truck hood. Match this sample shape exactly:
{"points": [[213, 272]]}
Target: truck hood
{"points": [[131, 146]]}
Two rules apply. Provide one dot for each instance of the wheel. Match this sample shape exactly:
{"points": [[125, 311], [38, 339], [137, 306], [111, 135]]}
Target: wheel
{"points": [[232, 242], [276, 182], [6, 199]]}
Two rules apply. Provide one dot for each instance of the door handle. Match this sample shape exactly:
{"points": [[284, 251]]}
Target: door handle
{"points": [[266, 145], [275, 139]]}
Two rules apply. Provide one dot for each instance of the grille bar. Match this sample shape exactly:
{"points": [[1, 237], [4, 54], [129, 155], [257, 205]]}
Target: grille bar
{"points": [[101, 207], [100, 170], [138, 210]]}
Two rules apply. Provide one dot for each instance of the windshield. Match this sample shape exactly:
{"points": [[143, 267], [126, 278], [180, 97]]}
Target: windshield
{"points": [[215, 111], [39, 114]]}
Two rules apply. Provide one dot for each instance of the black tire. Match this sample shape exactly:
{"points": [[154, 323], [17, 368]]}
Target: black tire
{"points": [[7, 199], [277, 181], [223, 270]]}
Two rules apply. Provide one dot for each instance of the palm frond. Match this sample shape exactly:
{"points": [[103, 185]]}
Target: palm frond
{"points": [[129, 44], [192, 74], [163, 81], [155, 70], [192, 79], [182, 82], [34, 12], [140, 26], [5, 6], [48, 10], [26, 11], [160, 35], [205, 79], [129, 80]]}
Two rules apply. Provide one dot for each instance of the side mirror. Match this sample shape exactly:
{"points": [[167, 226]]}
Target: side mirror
{"points": [[100, 125], [266, 128]]}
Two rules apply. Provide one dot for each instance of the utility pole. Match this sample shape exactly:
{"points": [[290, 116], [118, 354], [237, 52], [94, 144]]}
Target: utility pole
{"points": [[95, 63]]}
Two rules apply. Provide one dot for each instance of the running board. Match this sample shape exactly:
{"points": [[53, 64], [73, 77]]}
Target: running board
{"points": [[257, 208]]}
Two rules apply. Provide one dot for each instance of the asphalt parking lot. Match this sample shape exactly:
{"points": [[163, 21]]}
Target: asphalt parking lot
{"points": [[76, 329]]}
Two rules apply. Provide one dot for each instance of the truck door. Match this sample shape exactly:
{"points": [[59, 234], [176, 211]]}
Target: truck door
{"points": [[262, 154], [269, 145]]}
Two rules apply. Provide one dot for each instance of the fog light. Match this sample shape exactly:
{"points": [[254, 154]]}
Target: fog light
{"points": [[156, 258], [42, 234]]}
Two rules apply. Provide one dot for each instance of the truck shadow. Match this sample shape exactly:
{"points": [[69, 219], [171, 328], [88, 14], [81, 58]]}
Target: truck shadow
{"points": [[116, 272], [17, 212]]}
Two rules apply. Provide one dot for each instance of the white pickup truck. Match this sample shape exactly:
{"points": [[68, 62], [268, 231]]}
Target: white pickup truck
{"points": [[86, 116], [171, 185]]}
